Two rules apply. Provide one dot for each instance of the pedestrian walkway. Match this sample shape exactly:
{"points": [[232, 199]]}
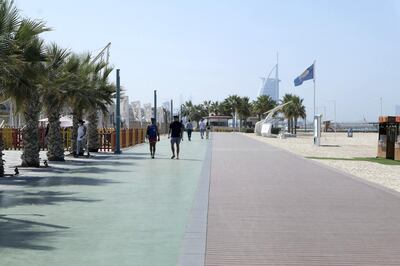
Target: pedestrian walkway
{"points": [[115, 210], [229, 201], [270, 207]]}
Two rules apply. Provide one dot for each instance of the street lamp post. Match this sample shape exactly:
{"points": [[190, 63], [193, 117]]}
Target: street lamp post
{"points": [[118, 116], [155, 106]]}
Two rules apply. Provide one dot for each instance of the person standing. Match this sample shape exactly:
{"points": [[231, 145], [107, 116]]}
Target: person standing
{"points": [[153, 136], [208, 129], [202, 127], [80, 138], [189, 129], [175, 133]]}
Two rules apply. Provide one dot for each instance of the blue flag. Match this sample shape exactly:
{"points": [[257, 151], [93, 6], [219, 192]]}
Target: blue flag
{"points": [[306, 75]]}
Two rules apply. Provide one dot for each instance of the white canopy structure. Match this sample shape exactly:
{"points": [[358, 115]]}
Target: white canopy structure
{"points": [[66, 121], [264, 127]]}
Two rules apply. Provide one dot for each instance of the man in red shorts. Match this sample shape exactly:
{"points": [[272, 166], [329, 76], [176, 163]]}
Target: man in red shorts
{"points": [[153, 136]]}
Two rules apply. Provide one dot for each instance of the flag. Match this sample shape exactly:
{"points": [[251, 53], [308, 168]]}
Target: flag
{"points": [[306, 75]]}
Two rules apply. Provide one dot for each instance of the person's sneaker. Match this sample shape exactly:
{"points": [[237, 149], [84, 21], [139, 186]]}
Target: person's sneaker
{"points": [[177, 158], [173, 156]]}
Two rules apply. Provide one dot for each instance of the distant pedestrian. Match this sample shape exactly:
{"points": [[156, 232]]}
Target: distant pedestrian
{"points": [[175, 133], [208, 129], [202, 127], [153, 136], [189, 129], [80, 138]]}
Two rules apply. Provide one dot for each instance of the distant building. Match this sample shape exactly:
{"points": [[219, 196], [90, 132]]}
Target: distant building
{"points": [[270, 87], [137, 111], [125, 111], [397, 109], [148, 112]]}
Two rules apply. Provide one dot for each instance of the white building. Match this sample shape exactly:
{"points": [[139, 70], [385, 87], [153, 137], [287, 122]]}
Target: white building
{"points": [[137, 110], [125, 111], [270, 87], [148, 112]]}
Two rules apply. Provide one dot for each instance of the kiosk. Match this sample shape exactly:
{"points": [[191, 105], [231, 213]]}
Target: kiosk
{"points": [[389, 141], [317, 129]]}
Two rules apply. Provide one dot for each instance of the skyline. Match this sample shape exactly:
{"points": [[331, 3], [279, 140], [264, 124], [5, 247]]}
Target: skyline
{"points": [[207, 51]]}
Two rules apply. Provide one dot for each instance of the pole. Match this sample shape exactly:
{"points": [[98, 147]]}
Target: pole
{"points": [[277, 76], [314, 124], [172, 110], [155, 106], [314, 90], [334, 107], [118, 116]]}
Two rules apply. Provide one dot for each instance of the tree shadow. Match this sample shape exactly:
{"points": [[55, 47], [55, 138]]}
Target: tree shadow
{"points": [[81, 170], [12, 198], [51, 181], [22, 234]]}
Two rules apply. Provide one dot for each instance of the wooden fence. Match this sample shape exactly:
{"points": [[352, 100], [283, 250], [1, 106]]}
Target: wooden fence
{"points": [[13, 138]]}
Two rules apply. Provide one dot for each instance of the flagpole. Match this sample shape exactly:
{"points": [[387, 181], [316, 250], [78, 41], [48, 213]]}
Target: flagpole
{"points": [[314, 92]]}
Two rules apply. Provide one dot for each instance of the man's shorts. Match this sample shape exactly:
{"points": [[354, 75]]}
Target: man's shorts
{"points": [[176, 140]]}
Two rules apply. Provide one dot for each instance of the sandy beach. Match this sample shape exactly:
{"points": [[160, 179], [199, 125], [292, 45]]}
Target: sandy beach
{"points": [[338, 145]]}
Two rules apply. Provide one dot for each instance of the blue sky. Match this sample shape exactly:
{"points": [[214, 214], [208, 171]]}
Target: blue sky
{"points": [[211, 49]]}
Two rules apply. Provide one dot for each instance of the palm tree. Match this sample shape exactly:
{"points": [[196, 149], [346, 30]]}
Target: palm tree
{"points": [[54, 93], [90, 92], [288, 111], [206, 106], [24, 85], [244, 109], [214, 108], [103, 92], [263, 104], [10, 61], [299, 110], [187, 109], [233, 102]]}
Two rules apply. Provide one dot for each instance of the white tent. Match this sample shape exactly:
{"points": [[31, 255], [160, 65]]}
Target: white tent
{"points": [[66, 121]]}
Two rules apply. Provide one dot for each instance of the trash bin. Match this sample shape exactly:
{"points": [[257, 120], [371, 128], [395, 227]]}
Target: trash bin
{"points": [[397, 142], [388, 137]]}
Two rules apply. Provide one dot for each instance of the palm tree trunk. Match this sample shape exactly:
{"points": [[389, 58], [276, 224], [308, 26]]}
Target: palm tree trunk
{"points": [[93, 133], [30, 156], [295, 125], [55, 142]]}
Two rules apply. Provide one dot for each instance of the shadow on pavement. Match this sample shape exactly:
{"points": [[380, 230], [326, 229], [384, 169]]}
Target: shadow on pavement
{"points": [[12, 198], [22, 234], [50, 181]]}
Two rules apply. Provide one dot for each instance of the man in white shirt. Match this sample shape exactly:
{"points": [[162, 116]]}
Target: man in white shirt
{"points": [[80, 138], [202, 127]]}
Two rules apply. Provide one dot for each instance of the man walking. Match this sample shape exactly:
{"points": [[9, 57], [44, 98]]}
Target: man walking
{"points": [[175, 133], [153, 136], [202, 127], [189, 129], [80, 138]]}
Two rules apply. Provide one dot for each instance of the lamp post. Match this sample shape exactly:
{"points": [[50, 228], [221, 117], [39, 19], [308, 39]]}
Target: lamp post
{"points": [[155, 106], [118, 116], [172, 110]]}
